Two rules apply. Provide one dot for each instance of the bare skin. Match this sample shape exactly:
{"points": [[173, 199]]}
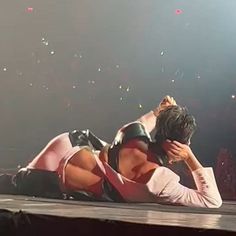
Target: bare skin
{"points": [[177, 151], [136, 161], [82, 173]]}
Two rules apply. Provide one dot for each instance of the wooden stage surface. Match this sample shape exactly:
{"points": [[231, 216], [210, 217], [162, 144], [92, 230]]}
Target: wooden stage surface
{"points": [[223, 218]]}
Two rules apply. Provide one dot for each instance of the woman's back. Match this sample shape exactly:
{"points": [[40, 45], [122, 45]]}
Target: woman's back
{"points": [[136, 161]]}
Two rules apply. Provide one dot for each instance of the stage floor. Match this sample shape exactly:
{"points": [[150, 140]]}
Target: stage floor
{"points": [[223, 218]]}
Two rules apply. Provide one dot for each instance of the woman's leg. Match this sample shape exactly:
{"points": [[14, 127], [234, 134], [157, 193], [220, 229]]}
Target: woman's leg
{"points": [[50, 157]]}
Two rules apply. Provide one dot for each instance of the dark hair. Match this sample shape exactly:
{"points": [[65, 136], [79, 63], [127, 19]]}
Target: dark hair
{"points": [[175, 123]]}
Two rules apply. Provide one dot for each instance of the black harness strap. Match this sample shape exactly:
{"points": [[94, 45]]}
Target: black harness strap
{"points": [[134, 130], [85, 138]]}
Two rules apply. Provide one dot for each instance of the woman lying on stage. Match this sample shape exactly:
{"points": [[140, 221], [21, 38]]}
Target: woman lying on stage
{"points": [[78, 165]]}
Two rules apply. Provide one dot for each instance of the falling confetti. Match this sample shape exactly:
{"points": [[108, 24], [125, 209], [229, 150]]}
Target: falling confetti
{"points": [[178, 11], [233, 96], [172, 80], [52, 52], [127, 90], [162, 53], [46, 43], [99, 69], [197, 76], [120, 87], [30, 9], [140, 106], [91, 81], [4, 69]]}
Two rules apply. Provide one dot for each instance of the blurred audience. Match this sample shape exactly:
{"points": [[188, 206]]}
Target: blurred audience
{"points": [[225, 172]]}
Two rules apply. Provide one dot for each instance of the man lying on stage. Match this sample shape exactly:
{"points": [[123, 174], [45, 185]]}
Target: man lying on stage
{"points": [[78, 165]]}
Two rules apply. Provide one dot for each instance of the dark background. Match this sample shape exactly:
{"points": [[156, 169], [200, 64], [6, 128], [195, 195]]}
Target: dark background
{"points": [[99, 64]]}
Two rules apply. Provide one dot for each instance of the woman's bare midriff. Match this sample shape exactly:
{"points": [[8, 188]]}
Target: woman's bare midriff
{"points": [[83, 173], [135, 161]]}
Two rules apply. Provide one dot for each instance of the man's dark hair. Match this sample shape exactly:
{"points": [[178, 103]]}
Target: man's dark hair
{"points": [[175, 123]]}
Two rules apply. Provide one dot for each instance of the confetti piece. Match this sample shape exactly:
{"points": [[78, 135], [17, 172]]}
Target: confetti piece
{"points": [[45, 43], [30, 9], [197, 76], [52, 52], [162, 53], [233, 96], [178, 11]]}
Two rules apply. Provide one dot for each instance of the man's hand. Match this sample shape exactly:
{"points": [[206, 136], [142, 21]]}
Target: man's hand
{"points": [[166, 102], [177, 151]]}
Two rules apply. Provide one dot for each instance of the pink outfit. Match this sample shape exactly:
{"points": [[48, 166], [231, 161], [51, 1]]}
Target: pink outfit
{"points": [[55, 156], [54, 152], [163, 186]]}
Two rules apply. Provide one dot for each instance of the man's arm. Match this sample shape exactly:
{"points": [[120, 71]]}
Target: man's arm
{"points": [[149, 119], [207, 193]]}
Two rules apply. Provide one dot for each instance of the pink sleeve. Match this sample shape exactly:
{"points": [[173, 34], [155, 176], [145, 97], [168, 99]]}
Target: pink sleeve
{"points": [[149, 121], [206, 195]]}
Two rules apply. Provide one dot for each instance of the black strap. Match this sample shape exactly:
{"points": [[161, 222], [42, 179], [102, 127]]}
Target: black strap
{"points": [[135, 130], [132, 131], [113, 157], [85, 138], [110, 192]]}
